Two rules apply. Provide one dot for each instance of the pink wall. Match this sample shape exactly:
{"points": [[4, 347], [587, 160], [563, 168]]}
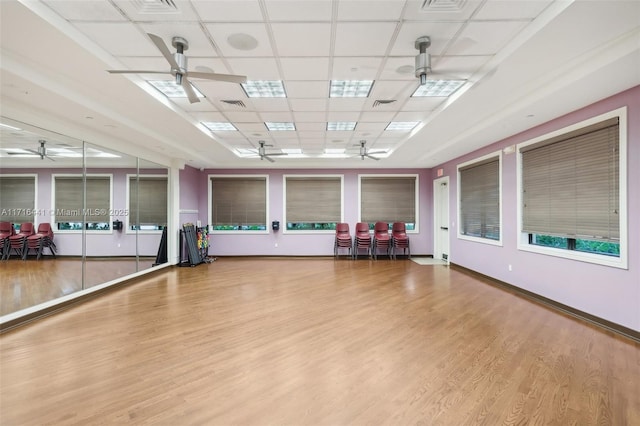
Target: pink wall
{"points": [[299, 244], [606, 292]]}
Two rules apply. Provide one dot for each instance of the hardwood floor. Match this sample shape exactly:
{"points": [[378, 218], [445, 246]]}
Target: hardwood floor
{"points": [[318, 341], [26, 283]]}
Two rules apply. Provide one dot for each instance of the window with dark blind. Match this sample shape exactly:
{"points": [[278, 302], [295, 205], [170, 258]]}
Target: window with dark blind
{"points": [[480, 199], [239, 203], [17, 199], [570, 190], [69, 203], [313, 202], [389, 199], [147, 202]]}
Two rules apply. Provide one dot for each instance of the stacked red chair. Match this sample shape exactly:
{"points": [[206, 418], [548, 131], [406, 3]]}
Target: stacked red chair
{"points": [[18, 242], [381, 239], [399, 239], [41, 239], [362, 239], [343, 239], [6, 231]]}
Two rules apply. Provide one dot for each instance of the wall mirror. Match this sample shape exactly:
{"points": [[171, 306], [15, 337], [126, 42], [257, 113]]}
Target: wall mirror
{"points": [[107, 211]]}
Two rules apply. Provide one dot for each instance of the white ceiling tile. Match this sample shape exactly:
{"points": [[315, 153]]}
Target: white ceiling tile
{"points": [[310, 135], [221, 90], [220, 32], [97, 10], [270, 104], [199, 44], [485, 38], [307, 89], [347, 104], [228, 10], [308, 104], [356, 68], [256, 68], [343, 116], [440, 34], [243, 117], [509, 9], [379, 10], [422, 103], [399, 68], [119, 39], [307, 10], [302, 39], [363, 38], [410, 116], [457, 67], [309, 117], [305, 68], [209, 116], [183, 12], [277, 117], [376, 116]]}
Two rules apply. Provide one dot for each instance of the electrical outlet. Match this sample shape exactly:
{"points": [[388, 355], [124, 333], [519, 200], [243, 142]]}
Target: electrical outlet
{"points": [[510, 268], [276, 244], [118, 245]]}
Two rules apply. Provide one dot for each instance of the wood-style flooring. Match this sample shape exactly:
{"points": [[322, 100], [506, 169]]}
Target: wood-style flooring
{"points": [[315, 341]]}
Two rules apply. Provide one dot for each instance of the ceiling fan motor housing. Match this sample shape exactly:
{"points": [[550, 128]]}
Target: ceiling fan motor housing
{"points": [[181, 44], [423, 59]]}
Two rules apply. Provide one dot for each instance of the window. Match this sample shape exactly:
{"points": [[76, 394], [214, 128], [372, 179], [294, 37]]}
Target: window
{"points": [[572, 203], [389, 198], [17, 198], [238, 203], [479, 203], [70, 210], [147, 202], [313, 203]]}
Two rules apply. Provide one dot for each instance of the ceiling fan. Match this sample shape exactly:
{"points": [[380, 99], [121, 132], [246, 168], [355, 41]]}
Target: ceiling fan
{"points": [[364, 152], [178, 62], [41, 151], [262, 152]]}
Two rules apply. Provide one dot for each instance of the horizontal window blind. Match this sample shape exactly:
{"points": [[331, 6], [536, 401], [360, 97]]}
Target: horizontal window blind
{"points": [[238, 201], [388, 199], [570, 185], [17, 199], [313, 199], [68, 199], [480, 199], [148, 200]]}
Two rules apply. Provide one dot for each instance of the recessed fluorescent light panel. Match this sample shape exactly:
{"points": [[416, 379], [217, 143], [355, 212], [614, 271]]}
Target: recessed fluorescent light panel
{"points": [[264, 89], [280, 126], [292, 151], [170, 89], [341, 125], [442, 88], [217, 126], [402, 125], [350, 88]]}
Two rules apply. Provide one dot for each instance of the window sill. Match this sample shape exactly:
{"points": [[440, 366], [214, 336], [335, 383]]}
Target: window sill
{"points": [[597, 259], [488, 241]]}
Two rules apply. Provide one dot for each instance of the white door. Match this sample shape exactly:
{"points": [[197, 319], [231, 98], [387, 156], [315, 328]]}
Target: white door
{"points": [[441, 218]]}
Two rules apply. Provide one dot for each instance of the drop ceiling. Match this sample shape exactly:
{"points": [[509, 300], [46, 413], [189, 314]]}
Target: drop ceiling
{"points": [[522, 63]]}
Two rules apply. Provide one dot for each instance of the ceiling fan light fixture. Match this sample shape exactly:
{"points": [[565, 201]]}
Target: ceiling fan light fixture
{"points": [[170, 89], [435, 88]]}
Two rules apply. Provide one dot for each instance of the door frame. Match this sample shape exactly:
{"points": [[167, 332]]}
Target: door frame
{"points": [[436, 209]]}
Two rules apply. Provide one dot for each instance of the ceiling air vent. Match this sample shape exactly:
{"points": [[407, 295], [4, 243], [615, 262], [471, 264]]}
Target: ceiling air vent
{"points": [[383, 102], [234, 103], [443, 5], [146, 7]]}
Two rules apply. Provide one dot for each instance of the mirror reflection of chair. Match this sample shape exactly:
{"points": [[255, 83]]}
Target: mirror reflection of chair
{"points": [[18, 242], [343, 239], [41, 239], [361, 239], [399, 239], [381, 239], [6, 231]]}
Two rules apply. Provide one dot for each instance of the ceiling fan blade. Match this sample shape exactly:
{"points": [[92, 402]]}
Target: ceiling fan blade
{"points": [[46, 156], [277, 153], [218, 77], [376, 152], [162, 47], [372, 157], [191, 94], [271, 160], [137, 72]]}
